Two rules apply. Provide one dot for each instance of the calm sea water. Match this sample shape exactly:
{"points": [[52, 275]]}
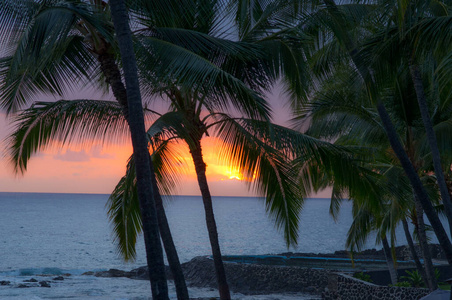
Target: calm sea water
{"points": [[70, 233]]}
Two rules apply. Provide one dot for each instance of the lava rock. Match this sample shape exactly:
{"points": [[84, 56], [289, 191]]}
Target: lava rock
{"points": [[59, 278], [44, 284], [139, 273], [88, 273], [31, 280], [111, 273], [4, 282]]}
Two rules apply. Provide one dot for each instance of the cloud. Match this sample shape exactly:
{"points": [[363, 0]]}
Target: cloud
{"points": [[96, 152], [73, 156]]}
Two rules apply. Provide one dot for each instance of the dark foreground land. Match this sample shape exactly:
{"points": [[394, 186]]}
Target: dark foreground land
{"points": [[267, 278]]}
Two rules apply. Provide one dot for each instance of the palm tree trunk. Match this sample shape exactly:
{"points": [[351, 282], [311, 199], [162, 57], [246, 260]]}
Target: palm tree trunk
{"points": [[168, 243], [429, 270], [431, 136], [113, 77], [420, 192], [200, 167], [418, 263], [389, 261], [416, 183], [154, 253]]}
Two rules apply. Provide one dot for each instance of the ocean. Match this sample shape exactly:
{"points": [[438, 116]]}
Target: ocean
{"points": [[45, 235]]}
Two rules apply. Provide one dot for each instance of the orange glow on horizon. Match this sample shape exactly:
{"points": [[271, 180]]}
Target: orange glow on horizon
{"points": [[96, 167], [91, 167]]}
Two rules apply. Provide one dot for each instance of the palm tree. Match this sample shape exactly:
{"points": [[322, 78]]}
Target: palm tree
{"points": [[140, 151], [407, 25], [339, 28], [101, 46], [401, 37], [75, 36], [338, 112]]}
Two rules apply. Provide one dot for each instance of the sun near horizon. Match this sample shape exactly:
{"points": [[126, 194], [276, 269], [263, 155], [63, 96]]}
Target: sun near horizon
{"points": [[95, 168]]}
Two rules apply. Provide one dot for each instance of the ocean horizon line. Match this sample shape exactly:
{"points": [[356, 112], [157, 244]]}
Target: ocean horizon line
{"points": [[166, 195]]}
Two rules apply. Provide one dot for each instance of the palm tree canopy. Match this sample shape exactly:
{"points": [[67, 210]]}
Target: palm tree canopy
{"points": [[48, 48]]}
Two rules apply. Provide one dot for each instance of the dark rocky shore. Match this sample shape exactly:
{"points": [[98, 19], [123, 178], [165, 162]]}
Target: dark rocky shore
{"points": [[402, 253], [249, 279], [276, 274], [32, 282], [262, 278]]}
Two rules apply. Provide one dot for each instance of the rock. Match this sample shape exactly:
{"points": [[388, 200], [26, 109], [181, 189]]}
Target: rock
{"points": [[58, 278], [111, 273], [142, 273], [31, 280], [4, 282], [88, 273], [21, 286], [44, 284], [139, 273]]}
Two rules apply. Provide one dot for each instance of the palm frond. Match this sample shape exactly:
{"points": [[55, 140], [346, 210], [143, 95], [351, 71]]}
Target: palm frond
{"points": [[268, 171], [65, 122], [123, 207], [54, 74], [45, 53], [177, 65], [360, 229], [444, 142], [434, 32], [123, 210], [168, 164], [337, 197]]}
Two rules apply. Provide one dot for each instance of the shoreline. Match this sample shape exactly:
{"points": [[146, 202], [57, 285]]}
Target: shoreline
{"points": [[264, 278], [247, 280]]}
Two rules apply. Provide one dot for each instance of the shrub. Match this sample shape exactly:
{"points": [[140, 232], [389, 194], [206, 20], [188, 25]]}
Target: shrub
{"points": [[362, 276], [402, 284], [437, 274], [414, 278]]}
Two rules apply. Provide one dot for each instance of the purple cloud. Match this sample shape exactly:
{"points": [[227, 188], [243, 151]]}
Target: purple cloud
{"points": [[69, 155]]}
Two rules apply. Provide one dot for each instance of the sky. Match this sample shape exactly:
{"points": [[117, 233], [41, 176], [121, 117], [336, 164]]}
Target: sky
{"points": [[96, 168]]}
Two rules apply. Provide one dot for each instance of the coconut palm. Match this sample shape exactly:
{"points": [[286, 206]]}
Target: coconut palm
{"points": [[404, 31], [140, 151], [341, 31], [52, 44], [338, 111]]}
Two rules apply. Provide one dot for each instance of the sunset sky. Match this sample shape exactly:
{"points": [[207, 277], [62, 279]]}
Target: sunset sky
{"points": [[96, 168]]}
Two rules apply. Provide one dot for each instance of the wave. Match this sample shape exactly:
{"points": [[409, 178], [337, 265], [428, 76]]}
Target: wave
{"points": [[50, 271]]}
